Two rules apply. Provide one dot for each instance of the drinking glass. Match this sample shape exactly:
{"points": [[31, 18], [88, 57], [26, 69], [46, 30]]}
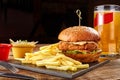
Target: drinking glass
{"points": [[107, 23]]}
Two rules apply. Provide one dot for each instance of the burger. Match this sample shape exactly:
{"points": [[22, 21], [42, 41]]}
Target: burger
{"points": [[80, 43]]}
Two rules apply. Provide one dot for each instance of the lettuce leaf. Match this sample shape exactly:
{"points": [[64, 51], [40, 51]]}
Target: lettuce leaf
{"points": [[79, 52]]}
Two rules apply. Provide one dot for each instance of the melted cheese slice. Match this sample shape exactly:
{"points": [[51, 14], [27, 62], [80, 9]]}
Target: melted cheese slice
{"points": [[83, 42]]}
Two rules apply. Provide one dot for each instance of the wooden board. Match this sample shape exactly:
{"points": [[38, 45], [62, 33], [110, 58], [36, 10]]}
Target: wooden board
{"points": [[64, 74]]}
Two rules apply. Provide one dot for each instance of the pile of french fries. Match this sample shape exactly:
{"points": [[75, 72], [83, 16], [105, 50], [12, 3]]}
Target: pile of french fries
{"points": [[22, 43], [52, 58]]}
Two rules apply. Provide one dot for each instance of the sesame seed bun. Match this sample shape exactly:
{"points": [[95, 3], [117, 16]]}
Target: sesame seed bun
{"points": [[79, 33]]}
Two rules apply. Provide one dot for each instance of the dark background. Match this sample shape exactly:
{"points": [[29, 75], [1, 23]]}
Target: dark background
{"points": [[42, 20]]}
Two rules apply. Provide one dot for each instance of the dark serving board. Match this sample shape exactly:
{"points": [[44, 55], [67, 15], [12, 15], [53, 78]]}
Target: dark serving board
{"points": [[64, 74]]}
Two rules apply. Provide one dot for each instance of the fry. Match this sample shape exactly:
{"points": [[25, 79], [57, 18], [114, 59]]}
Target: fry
{"points": [[23, 60], [62, 67], [83, 66], [66, 62], [39, 57], [44, 63], [69, 59]]}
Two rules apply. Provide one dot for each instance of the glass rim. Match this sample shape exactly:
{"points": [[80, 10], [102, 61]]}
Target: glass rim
{"points": [[107, 7], [5, 45]]}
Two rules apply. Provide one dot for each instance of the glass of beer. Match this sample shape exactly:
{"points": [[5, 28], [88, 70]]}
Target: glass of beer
{"points": [[107, 23]]}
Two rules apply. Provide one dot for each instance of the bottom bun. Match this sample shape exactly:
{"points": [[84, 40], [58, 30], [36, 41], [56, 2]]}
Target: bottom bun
{"points": [[85, 57]]}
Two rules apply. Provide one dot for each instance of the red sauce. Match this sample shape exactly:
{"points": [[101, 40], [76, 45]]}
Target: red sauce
{"points": [[4, 51]]}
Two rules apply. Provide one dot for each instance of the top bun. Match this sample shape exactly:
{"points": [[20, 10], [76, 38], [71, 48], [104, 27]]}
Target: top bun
{"points": [[79, 33]]}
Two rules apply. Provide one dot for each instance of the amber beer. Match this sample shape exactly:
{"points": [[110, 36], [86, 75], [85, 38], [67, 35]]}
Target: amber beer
{"points": [[107, 23]]}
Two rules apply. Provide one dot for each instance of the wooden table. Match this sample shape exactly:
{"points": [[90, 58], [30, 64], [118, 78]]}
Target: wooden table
{"points": [[110, 71]]}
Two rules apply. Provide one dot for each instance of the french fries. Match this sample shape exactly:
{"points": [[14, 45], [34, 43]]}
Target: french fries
{"points": [[61, 62], [52, 58], [23, 43]]}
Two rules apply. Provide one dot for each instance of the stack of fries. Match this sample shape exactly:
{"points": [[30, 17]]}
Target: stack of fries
{"points": [[21, 43], [52, 58]]}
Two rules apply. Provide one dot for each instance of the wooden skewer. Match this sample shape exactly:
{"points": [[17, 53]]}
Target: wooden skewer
{"points": [[78, 12]]}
